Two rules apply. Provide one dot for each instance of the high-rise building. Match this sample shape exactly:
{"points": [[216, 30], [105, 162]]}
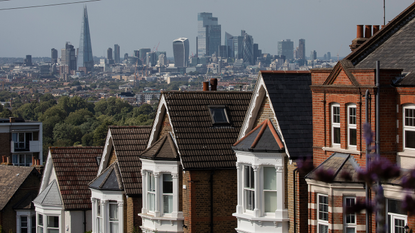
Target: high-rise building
{"points": [[229, 44], [328, 55], [313, 55], [142, 54], [54, 55], [117, 53], [162, 60], [151, 58], [181, 52], [85, 59], [209, 34], [286, 48], [28, 60], [68, 59], [301, 49], [109, 53], [248, 48]]}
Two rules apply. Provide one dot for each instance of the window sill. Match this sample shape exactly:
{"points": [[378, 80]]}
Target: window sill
{"points": [[407, 153], [152, 217], [340, 150], [265, 218]]}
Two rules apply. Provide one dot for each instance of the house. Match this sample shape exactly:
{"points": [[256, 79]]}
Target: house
{"points": [[339, 107], [188, 168], [21, 141], [116, 190], [276, 132], [18, 187], [64, 200]]}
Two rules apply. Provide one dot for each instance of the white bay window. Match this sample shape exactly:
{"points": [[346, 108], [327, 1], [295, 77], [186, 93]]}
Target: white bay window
{"points": [[270, 189]]}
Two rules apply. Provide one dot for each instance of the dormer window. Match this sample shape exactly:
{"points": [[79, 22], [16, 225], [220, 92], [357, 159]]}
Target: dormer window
{"points": [[218, 114]]}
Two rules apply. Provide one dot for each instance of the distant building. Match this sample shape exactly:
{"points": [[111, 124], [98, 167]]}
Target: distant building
{"points": [[151, 59], [142, 54], [54, 55], [28, 60], [248, 48], [313, 55], [85, 58], [68, 59], [109, 56], [286, 48], [181, 52], [209, 34], [116, 53], [301, 49], [162, 60]]}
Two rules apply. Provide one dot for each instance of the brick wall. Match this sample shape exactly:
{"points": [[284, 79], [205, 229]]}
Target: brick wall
{"points": [[299, 221], [132, 208], [265, 112], [8, 214], [197, 200], [113, 157], [165, 127]]}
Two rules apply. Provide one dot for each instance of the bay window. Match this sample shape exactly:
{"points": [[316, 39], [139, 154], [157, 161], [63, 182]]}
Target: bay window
{"points": [[409, 127], [39, 223], [397, 217], [47, 224], [349, 219], [99, 216], [270, 189], [151, 191], [113, 217], [107, 212], [167, 193], [249, 188], [323, 213], [335, 124], [351, 126]]}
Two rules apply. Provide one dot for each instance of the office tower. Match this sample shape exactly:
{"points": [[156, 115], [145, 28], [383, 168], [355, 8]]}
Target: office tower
{"points": [[28, 60], [142, 54], [68, 59], [181, 52], [162, 60], [286, 48], [54, 55], [209, 34], [125, 56], [248, 48], [151, 58], [116, 53], [109, 53], [229, 43], [256, 52], [328, 55], [313, 55], [136, 53], [223, 51], [85, 59], [301, 49]]}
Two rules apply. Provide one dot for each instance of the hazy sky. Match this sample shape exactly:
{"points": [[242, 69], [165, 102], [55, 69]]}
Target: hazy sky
{"points": [[326, 25]]}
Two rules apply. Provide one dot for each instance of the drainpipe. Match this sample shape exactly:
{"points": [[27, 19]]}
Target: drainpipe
{"points": [[84, 220], [367, 103], [211, 200], [295, 201]]}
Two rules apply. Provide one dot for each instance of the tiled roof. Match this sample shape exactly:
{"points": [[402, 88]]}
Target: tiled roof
{"points": [[75, 167], [290, 95], [163, 149], [338, 163], [26, 202], [129, 142], [203, 145], [393, 46], [11, 178], [262, 138], [50, 196], [109, 179]]}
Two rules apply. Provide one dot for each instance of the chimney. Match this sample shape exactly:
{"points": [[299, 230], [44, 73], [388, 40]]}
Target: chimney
{"points": [[8, 161], [213, 84], [205, 86], [375, 29], [359, 37], [12, 119], [368, 31], [33, 161], [3, 159]]}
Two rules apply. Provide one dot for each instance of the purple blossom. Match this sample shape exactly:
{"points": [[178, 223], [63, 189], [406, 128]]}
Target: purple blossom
{"points": [[306, 165], [325, 175]]}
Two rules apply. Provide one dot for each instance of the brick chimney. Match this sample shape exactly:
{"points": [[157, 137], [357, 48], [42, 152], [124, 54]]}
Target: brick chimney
{"points": [[359, 40], [213, 84], [205, 86]]}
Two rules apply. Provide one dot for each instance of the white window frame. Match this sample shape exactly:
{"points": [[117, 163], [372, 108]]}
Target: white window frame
{"points": [[350, 124], [348, 201], [151, 191], [250, 179], [322, 222], [30, 221], [392, 216], [98, 210], [166, 195], [45, 223], [113, 220], [335, 123], [410, 126], [40, 228], [269, 190]]}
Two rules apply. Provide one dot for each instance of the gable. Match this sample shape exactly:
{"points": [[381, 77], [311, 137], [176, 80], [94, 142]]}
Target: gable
{"points": [[342, 79], [265, 112], [113, 157], [165, 126]]}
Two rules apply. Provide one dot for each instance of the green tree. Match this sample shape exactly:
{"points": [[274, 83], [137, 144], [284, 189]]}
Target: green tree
{"points": [[100, 133], [79, 117]]}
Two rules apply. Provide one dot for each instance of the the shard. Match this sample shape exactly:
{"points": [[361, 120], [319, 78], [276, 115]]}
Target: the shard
{"points": [[85, 60]]}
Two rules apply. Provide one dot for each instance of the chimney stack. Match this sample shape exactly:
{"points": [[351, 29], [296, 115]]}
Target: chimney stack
{"points": [[368, 31], [12, 119], [8, 161], [359, 40], [3, 159], [375, 29], [213, 84], [359, 33], [205, 86]]}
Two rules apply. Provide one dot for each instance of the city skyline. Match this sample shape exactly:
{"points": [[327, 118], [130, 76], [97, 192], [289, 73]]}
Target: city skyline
{"points": [[52, 27]]}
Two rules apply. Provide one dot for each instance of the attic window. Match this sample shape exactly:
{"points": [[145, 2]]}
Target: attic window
{"points": [[218, 114]]}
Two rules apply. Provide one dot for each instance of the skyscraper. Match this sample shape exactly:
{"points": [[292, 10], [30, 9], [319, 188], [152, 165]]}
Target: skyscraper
{"points": [[85, 59], [54, 55], [209, 34], [181, 52], [68, 59], [301, 49], [286, 48], [109, 53], [117, 53], [28, 60], [248, 48]]}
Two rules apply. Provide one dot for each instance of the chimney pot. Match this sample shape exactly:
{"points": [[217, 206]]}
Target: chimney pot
{"points": [[33, 161], [205, 86], [8, 161], [359, 33], [3, 159], [375, 29], [11, 119], [213, 84], [368, 31]]}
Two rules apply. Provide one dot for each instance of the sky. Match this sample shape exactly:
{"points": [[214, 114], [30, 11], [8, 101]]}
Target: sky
{"points": [[326, 25]]}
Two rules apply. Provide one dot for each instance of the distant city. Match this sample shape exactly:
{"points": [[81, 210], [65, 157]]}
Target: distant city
{"points": [[238, 57]]}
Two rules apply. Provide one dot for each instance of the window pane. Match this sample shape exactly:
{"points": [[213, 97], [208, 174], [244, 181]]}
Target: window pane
{"points": [[53, 230], [352, 137], [219, 115], [249, 199], [28, 160], [15, 159], [151, 182], [167, 203], [23, 230], [270, 201], [21, 137], [151, 198], [35, 136], [352, 116], [39, 229], [270, 178], [99, 225], [323, 229], [113, 212], [350, 230], [249, 177], [395, 206], [336, 114], [98, 207], [53, 221], [23, 221], [336, 135], [167, 183], [323, 208], [409, 117], [40, 222], [399, 226], [113, 227], [409, 139]]}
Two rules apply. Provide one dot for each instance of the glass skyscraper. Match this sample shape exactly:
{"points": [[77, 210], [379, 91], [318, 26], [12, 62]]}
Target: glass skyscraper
{"points": [[209, 34], [181, 52], [85, 59]]}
